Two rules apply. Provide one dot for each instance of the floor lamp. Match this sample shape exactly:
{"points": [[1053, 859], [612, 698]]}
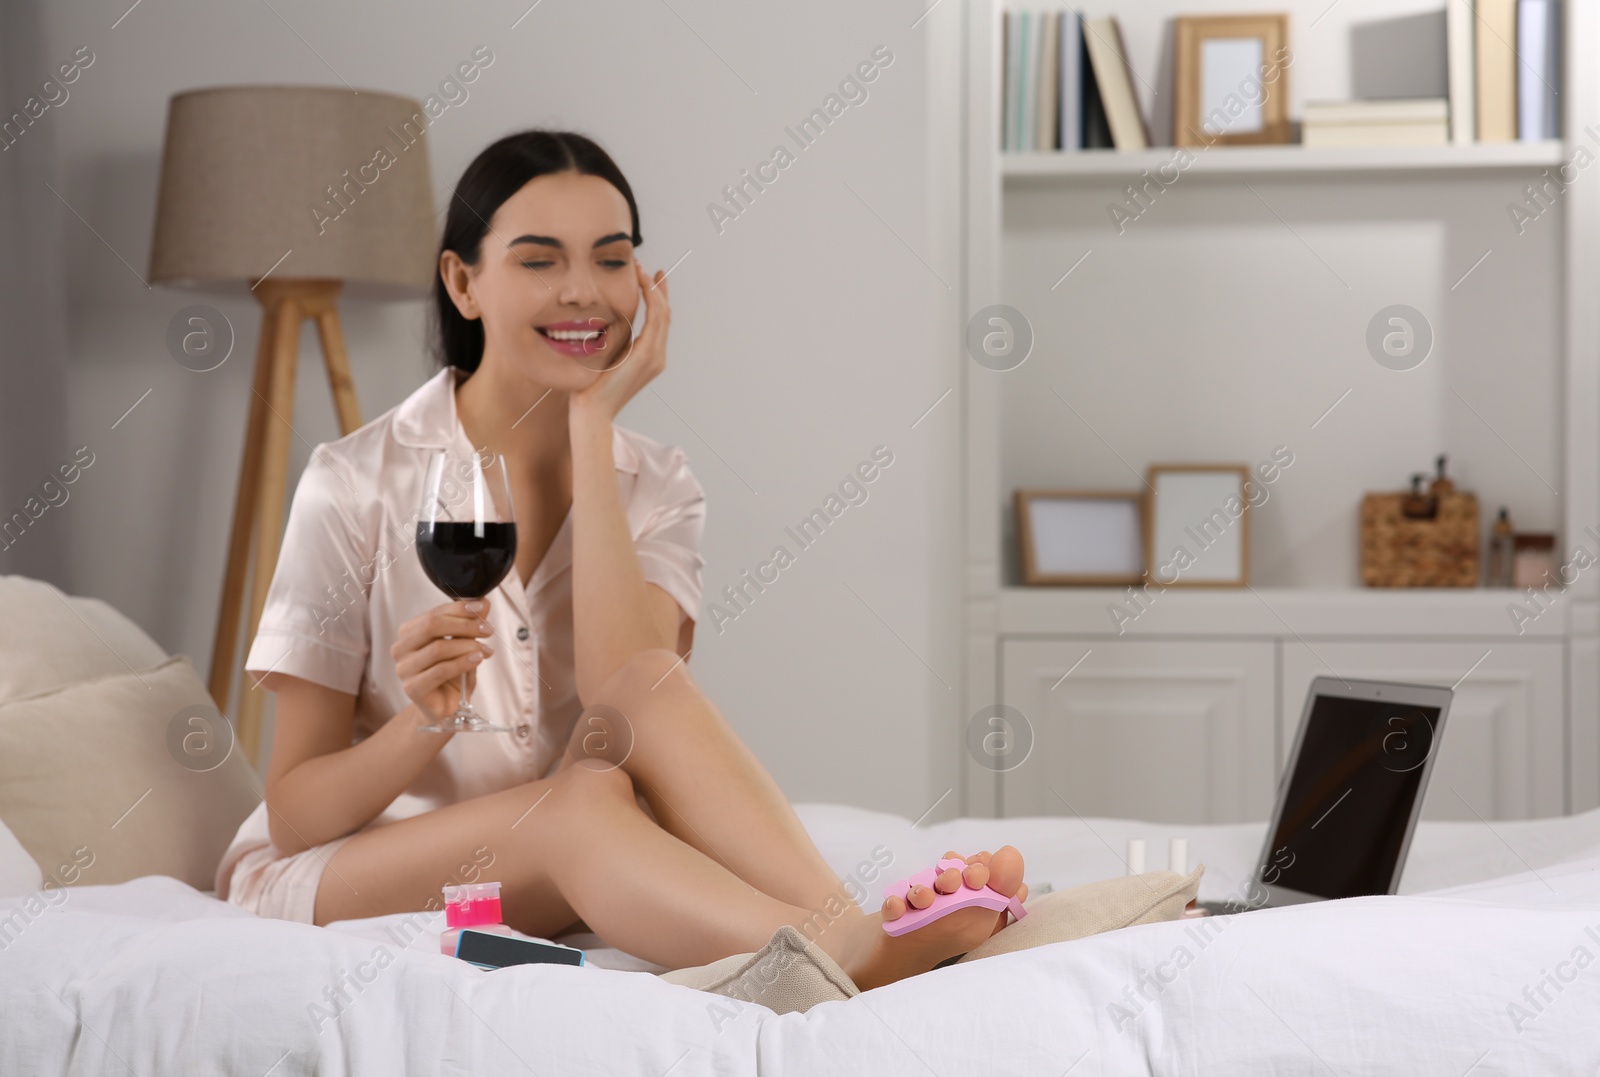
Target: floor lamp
{"points": [[297, 195]]}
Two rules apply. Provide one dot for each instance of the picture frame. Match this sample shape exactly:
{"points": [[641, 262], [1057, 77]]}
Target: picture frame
{"points": [[1194, 536], [1231, 80], [1081, 537]]}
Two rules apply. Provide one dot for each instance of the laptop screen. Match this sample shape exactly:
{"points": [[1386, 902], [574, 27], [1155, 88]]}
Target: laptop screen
{"points": [[1349, 805]]}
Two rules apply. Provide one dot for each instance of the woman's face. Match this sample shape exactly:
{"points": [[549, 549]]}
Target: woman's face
{"points": [[555, 282]]}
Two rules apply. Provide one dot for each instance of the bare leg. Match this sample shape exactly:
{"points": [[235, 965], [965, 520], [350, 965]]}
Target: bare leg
{"points": [[576, 844], [701, 781]]}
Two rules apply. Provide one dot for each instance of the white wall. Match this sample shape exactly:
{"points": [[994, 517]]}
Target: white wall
{"points": [[802, 338]]}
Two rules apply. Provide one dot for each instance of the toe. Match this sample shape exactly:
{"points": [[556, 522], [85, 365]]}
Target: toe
{"points": [[948, 881], [950, 854], [1005, 870], [976, 875], [894, 907], [920, 897]]}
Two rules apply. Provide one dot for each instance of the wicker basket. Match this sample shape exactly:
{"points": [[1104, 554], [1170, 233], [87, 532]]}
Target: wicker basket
{"points": [[1400, 552]]}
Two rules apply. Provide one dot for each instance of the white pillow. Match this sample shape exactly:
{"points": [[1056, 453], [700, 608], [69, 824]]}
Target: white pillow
{"points": [[19, 874], [50, 641], [67, 807]]}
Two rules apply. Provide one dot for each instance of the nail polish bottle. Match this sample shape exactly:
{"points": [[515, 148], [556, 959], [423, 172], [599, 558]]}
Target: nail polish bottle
{"points": [[474, 905]]}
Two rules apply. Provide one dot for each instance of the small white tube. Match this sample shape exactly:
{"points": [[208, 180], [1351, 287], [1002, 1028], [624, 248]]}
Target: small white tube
{"points": [[1135, 856], [1178, 855]]}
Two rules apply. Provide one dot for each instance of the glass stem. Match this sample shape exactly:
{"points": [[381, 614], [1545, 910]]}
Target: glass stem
{"points": [[466, 696]]}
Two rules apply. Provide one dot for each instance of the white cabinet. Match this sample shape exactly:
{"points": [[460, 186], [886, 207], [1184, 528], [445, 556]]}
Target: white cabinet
{"points": [[1198, 730], [1159, 730], [1501, 754]]}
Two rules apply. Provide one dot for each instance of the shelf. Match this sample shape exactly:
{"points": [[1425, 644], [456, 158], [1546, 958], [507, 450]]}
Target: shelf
{"points": [[1266, 160], [1271, 611]]}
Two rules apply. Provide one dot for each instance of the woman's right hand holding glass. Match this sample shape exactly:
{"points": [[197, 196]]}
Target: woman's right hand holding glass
{"points": [[433, 650]]}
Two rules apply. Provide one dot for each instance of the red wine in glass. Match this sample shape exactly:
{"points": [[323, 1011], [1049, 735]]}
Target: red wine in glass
{"points": [[467, 542], [466, 560]]}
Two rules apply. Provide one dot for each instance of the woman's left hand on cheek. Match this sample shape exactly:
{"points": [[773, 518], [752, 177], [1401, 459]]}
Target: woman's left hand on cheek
{"points": [[645, 358]]}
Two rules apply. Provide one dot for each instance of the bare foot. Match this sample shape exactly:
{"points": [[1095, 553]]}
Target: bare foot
{"points": [[873, 958]]}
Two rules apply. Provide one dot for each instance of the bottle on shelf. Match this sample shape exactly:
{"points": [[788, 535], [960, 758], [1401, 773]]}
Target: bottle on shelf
{"points": [[1502, 552], [1441, 485], [1418, 505]]}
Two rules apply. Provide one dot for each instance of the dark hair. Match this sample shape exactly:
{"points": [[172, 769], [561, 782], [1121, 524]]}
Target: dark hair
{"points": [[494, 176]]}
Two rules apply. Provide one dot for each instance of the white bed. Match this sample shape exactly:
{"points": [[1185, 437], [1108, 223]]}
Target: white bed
{"points": [[153, 977]]}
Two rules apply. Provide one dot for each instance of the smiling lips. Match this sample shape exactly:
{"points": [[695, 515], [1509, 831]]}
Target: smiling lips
{"points": [[579, 339]]}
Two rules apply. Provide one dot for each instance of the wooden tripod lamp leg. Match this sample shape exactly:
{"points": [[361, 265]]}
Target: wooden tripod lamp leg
{"points": [[269, 512], [244, 509], [263, 474], [338, 360]]}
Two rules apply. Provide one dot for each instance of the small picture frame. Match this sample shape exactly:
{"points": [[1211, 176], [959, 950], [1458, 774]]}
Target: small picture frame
{"points": [[1084, 537], [1199, 525], [1231, 80]]}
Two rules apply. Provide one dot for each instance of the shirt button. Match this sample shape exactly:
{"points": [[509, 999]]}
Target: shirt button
{"points": [[522, 729], [522, 632]]}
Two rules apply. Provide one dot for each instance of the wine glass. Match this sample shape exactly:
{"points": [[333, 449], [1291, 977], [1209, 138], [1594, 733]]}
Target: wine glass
{"points": [[467, 541]]}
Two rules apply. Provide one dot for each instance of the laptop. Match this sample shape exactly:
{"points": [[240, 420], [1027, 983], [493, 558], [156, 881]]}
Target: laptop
{"points": [[1349, 799]]}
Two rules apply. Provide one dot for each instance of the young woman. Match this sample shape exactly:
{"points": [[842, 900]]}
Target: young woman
{"points": [[662, 833]]}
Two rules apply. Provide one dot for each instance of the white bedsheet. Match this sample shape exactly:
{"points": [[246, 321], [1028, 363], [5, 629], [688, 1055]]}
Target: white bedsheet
{"points": [[1479, 966]]}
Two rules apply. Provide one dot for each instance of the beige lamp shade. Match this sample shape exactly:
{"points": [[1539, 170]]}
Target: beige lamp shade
{"points": [[299, 182]]}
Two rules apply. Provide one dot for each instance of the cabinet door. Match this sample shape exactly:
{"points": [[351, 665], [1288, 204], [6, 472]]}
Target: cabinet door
{"points": [[1174, 732], [1500, 756]]}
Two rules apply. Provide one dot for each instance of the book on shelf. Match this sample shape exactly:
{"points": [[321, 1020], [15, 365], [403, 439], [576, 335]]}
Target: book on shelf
{"points": [[1044, 131], [1066, 88], [1420, 122], [1114, 79], [1538, 69], [1011, 126], [1069, 83], [1461, 67], [1096, 127], [1024, 69], [1411, 110], [1495, 51]]}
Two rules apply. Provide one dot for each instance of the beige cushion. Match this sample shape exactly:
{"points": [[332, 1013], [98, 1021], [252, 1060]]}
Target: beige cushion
{"points": [[1092, 908], [790, 974], [74, 761], [49, 640]]}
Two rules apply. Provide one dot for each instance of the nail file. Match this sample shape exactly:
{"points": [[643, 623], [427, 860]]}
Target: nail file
{"points": [[490, 951]]}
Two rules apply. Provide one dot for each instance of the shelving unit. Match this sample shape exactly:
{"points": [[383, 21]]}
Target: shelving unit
{"points": [[1207, 333], [1227, 161]]}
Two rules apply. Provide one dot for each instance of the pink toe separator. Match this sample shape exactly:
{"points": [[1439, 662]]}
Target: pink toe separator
{"points": [[965, 897]]}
